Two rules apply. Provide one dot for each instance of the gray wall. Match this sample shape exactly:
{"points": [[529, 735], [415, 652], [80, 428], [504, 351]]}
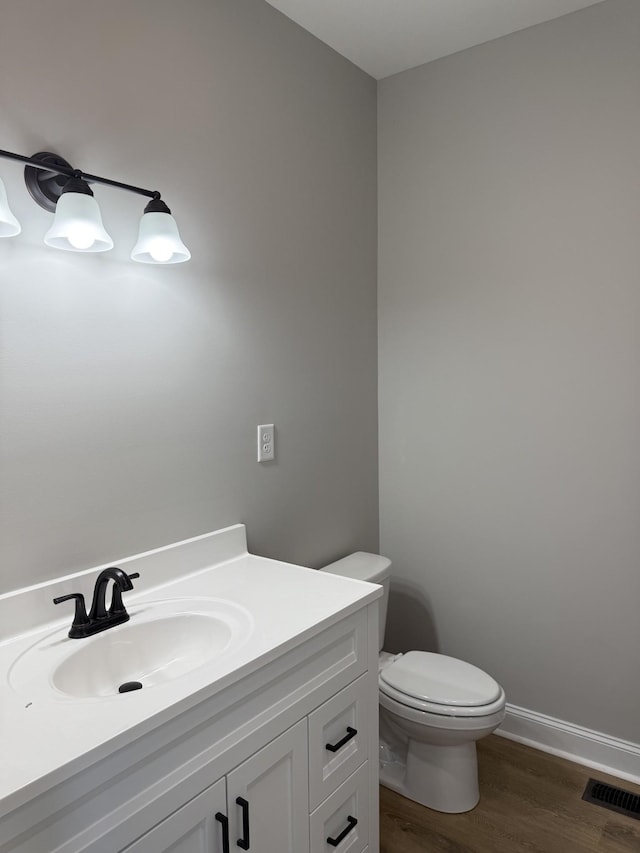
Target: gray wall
{"points": [[130, 394], [509, 361]]}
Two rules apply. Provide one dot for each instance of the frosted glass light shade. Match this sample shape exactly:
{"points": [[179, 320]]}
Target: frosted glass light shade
{"points": [[9, 225], [77, 225], [159, 241]]}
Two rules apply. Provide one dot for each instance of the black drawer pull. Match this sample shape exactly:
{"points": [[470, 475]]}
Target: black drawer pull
{"points": [[352, 821], [224, 820], [243, 842], [334, 747]]}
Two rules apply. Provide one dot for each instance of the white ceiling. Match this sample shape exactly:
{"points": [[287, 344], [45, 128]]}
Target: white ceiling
{"points": [[384, 37]]}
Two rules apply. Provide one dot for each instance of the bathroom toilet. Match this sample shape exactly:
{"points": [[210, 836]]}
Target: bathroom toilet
{"points": [[433, 709]]}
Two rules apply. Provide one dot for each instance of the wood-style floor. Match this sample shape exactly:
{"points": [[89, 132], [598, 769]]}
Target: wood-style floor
{"points": [[530, 802]]}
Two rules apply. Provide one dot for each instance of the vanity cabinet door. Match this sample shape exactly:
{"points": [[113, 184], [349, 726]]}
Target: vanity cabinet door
{"points": [[268, 797], [192, 829]]}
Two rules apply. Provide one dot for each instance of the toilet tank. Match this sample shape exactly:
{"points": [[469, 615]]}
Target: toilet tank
{"points": [[373, 568]]}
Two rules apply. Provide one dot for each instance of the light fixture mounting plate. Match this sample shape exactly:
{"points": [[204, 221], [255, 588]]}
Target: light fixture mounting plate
{"points": [[46, 187]]}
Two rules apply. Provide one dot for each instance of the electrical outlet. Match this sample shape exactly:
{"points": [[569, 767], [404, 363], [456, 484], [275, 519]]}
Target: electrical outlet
{"points": [[266, 443]]}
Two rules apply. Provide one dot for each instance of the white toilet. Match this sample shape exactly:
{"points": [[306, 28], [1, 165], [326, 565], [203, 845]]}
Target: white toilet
{"points": [[433, 709]]}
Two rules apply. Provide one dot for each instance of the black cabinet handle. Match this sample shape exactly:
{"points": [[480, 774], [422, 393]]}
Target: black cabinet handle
{"points": [[224, 821], [352, 821], [243, 842], [334, 747]]}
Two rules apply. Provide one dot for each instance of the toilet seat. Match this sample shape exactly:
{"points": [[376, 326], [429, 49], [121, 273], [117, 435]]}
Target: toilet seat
{"points": [[442, 685], [444, 722]]}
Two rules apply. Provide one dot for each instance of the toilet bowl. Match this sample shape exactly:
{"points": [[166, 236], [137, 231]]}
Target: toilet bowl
{"points": [[433, 709]]}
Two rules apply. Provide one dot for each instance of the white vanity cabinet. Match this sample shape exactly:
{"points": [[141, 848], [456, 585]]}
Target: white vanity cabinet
{"points": [[263, 804], [291, 747]]}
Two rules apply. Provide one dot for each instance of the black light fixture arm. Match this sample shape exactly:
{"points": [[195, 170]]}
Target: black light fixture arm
{"points": [[95, 179], [46, 162], [38, 164]]}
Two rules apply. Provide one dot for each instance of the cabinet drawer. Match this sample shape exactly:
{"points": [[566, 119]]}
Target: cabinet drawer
{"points": [[342, 723], [345, 816]]}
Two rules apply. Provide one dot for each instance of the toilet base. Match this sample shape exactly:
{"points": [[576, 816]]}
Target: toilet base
{"points": [[444, 778]]}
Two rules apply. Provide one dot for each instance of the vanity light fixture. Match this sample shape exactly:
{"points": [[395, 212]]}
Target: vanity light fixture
{"points": [[77, 225]]}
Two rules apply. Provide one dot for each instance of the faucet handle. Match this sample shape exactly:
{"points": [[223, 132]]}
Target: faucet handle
{"points": [[80, 619], [116, 597]]}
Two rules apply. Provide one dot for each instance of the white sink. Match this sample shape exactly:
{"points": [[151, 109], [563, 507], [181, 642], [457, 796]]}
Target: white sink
{"points": [[163, 640]]}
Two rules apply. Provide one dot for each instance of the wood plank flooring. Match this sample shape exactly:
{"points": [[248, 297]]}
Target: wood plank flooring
{"points": [[530, 802]]}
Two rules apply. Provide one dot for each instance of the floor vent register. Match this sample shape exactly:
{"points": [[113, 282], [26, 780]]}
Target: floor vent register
{"points": [[616, 799]]}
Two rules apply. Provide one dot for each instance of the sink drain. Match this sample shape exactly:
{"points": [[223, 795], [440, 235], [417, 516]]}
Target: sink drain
{"points": [[128, 686]]}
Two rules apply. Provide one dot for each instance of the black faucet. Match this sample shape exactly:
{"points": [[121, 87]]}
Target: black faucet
{"points": [[99, 618]]}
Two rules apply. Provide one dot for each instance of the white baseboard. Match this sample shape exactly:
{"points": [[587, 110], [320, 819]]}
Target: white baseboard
{"points": [[593, 749]]}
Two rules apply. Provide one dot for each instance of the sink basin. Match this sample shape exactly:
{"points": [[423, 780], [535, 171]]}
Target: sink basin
{"points": [[147, 652], [163, 641]]}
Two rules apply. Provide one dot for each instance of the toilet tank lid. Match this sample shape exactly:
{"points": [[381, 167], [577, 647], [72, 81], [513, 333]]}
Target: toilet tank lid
{"points": [[361, 566]]}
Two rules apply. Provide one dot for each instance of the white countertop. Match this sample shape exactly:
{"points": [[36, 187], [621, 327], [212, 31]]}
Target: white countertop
{"points": [[47, 736]]}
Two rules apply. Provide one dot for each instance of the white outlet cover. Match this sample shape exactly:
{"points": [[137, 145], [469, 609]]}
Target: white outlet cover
{"points": [[266, 443]]}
